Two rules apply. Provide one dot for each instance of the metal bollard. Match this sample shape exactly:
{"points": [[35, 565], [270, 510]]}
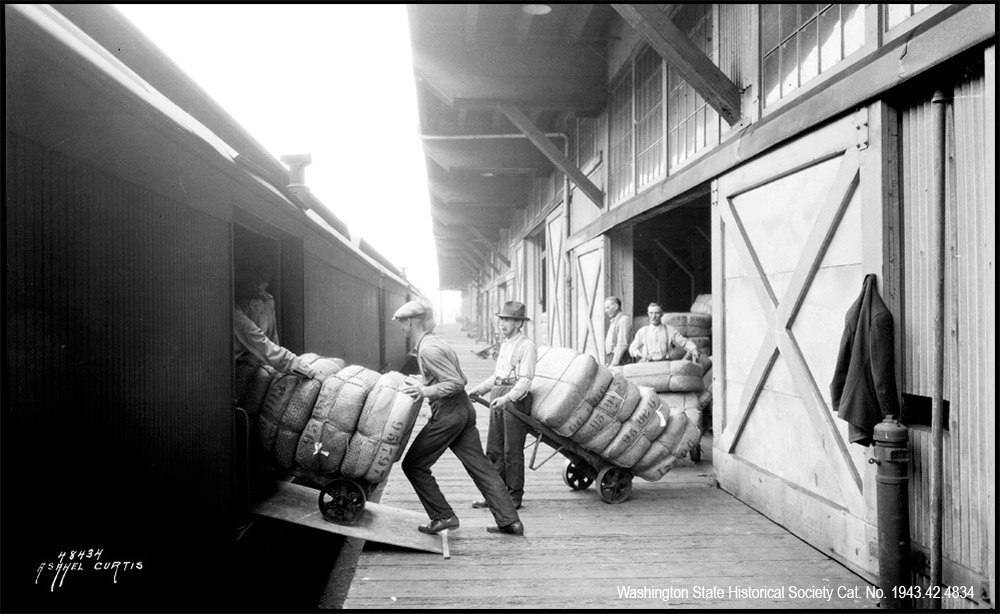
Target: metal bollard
{"points": [[892, 478]]}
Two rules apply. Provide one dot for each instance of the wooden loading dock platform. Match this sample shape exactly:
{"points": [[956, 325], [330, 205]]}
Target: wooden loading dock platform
{"points": [[679, 542]]}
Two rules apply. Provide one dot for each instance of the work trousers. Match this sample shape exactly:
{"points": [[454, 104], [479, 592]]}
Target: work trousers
{"points": [[453, 425], [505, 443]]}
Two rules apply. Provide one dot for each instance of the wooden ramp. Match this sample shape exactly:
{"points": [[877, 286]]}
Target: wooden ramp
{"points": [[379, 523], [677, 543]]}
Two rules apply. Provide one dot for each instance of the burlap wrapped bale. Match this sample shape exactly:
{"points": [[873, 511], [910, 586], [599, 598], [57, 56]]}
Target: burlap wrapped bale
{"points": [[383, 428], [323, 367], [600, 440], [669, 438], [278, 396], [676, 440], [255, 391], [621, 398], [600, 386], [338, 407], [657, 469], [704, 344], [646, 412], [563, 379], [665, 375], [689, 324], [702, 304], [244, 373], [293, 421], [656, 425]]}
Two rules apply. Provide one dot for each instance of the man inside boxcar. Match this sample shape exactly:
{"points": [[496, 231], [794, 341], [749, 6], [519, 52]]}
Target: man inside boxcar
{"points": [[256, 302], [452, 425], [509, 387], [658, 341], [255, 331], [619, 330]]}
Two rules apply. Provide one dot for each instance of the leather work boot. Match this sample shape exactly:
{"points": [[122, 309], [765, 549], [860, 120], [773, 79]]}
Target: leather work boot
{"points": [[514, 528], [436, 526]]}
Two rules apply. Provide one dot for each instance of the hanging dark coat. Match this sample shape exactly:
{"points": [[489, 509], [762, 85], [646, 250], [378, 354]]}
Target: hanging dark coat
{"points": [[864, 381]]}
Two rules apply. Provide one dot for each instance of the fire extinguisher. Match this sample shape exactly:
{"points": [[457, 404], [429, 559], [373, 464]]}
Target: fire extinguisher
{"points": [[892, 458]]}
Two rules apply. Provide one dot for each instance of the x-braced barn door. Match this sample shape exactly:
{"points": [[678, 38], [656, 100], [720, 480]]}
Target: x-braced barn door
{"points": [[794, 233], [589, 285], [556, 282]]}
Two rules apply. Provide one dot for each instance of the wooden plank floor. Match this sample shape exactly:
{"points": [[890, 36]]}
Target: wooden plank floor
{"points": [[679, 542]]}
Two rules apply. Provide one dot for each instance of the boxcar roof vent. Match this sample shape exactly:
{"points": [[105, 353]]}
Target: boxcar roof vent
{"points": [[297, 164]]}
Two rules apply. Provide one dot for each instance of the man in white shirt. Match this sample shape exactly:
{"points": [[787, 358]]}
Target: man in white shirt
{"points": [[619, 331], [656, 341], [508, 387], [255, 330], [256, 302]]}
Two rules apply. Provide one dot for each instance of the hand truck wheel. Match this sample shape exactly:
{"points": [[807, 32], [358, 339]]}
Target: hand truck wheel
{"points": [[578, 476], [342, 500], [614, 484]]}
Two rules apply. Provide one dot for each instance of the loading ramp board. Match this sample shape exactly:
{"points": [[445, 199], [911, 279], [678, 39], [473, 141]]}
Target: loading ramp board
{"points": [[380, 523]]}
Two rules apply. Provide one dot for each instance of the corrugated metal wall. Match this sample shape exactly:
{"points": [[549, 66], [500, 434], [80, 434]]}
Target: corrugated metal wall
{"points": [[342, 314], [969, 383], [117, 418], [737, 25], [395, 340]]}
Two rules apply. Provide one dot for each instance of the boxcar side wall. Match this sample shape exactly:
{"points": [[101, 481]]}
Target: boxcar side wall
{"points": [[118, 411]]}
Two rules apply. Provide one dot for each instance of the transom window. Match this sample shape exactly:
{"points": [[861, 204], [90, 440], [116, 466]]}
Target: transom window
{"points": [[896, 14], [649, 142], [620, 169], [692, 124], [801, 41]]}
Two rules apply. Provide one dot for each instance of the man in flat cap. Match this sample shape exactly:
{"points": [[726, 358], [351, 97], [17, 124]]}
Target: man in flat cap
{"points": [[452, 425], [509, 387]]}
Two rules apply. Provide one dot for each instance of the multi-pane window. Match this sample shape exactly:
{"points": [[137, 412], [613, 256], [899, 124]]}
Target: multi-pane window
{"points": [[896, 14], [649, 142], [620, 168], [586, 143], [693, 124], [801, 41]]}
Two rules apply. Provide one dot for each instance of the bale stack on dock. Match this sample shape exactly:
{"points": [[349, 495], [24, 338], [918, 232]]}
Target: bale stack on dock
{"points": [[602, 411], [349, 420]]}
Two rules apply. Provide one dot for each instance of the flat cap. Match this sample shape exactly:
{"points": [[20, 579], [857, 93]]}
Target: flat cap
{"points": [[412, 309]]}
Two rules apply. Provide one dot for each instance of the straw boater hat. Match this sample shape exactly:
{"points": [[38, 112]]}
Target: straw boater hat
{"points": [[513, 310]]}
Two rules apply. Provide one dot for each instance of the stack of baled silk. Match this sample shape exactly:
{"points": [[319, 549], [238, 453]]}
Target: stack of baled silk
{"points": [[629, 425], [349, 420]]}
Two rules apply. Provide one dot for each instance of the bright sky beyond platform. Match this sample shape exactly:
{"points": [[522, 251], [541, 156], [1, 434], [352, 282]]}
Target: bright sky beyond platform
{"points": [[332, 80]]}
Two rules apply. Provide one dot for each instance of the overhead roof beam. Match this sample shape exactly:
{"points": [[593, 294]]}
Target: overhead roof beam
{"points": [[522, 26], [483, 238], [550, 151], [468, 216], [471, 21], [695, 67], [577, 20], [459, 233], [542, 76], [484, 255]]}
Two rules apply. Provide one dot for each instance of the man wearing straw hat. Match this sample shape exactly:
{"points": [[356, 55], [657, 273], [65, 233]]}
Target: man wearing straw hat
{"points": [[508, 387]]}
